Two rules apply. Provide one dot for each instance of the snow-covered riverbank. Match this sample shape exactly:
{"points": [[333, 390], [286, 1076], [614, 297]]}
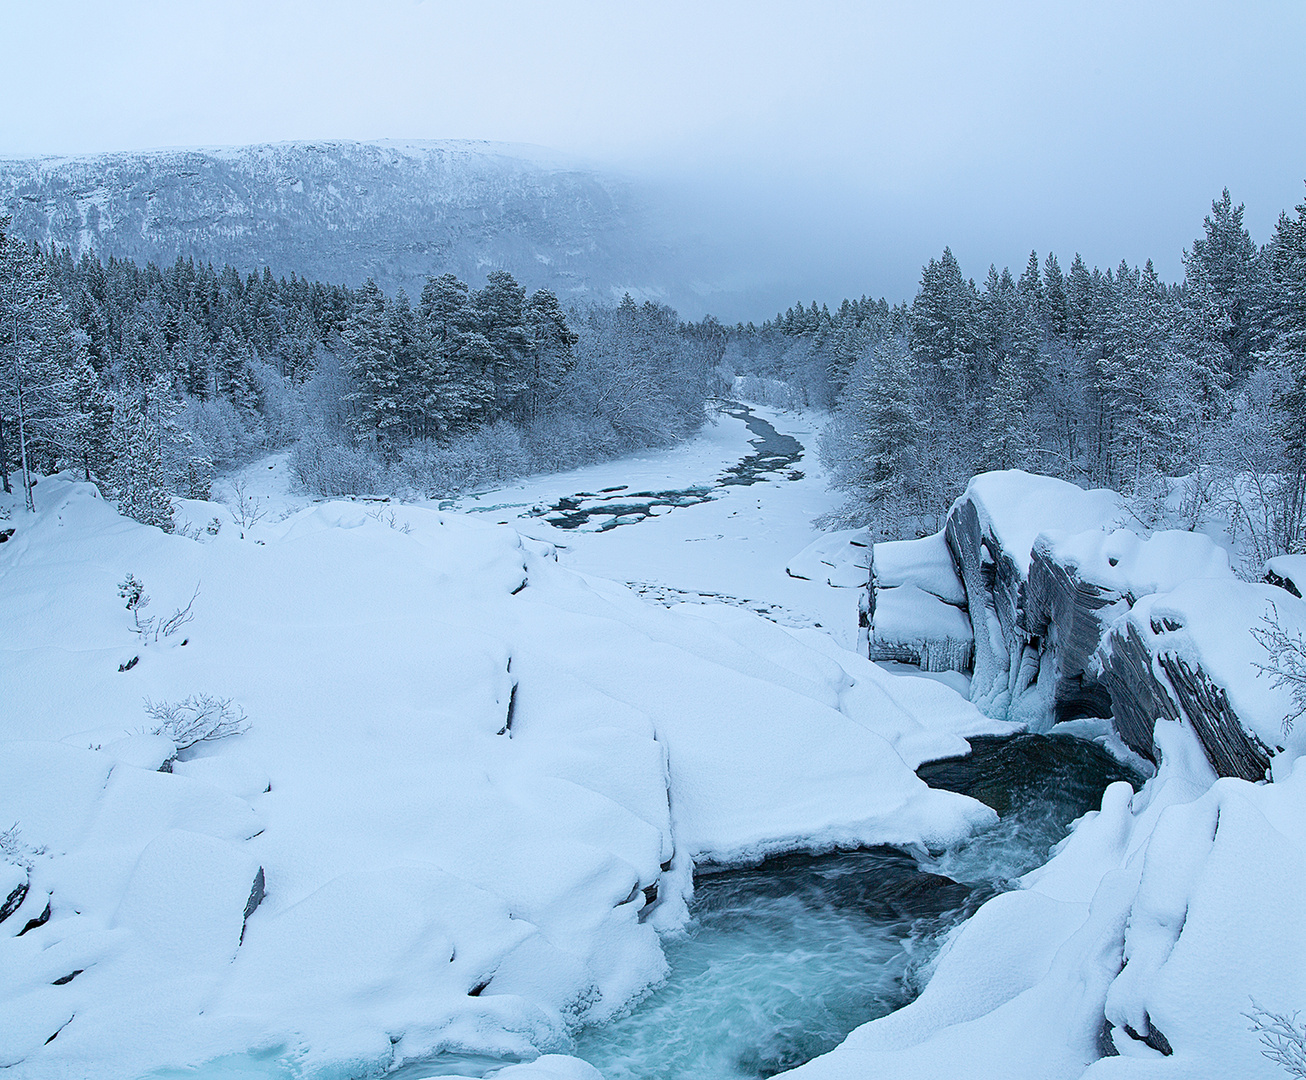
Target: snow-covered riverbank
{"points": [[474, 779]]}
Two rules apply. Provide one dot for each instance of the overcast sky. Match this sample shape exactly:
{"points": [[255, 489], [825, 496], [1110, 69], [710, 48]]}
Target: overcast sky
{"points": [[842, 144]]}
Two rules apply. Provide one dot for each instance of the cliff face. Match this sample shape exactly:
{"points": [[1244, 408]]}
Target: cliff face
{"points": [[991, 533]]}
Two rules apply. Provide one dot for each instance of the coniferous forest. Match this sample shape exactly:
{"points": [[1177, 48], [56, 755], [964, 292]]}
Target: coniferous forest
{"points": [[152, 380]]}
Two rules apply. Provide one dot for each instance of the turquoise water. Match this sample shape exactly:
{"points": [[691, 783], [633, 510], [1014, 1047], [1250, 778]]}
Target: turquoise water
{"points": [[780, 961]]}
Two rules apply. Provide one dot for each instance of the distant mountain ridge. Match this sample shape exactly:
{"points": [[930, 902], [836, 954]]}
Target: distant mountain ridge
{"points": [[343, 211]]}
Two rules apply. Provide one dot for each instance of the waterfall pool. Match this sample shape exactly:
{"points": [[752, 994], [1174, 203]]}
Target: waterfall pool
{"points": [[782, 960]]}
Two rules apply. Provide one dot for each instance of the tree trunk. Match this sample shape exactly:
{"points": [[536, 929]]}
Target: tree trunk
{"points": [[22, 439], [4, 460]]}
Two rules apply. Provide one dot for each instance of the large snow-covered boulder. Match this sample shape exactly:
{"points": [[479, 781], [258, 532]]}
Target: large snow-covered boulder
{"points": [[1194, 654], [1081, 583], [916, 606], [991, 531]]}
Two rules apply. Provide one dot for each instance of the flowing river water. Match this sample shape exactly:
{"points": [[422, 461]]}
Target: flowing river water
{"points": [[781, 961]]}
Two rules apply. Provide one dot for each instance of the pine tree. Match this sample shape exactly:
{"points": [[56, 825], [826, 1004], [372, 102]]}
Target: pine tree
{"points": [[143, 423], [40, 355], [1054, 296], [551, 344], [1226, 258], [233, 375], [500, 319], [888, 434], [371, 365]]}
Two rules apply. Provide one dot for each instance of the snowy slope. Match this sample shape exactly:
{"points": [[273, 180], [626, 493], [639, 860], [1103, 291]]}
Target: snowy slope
{"points": [[473, 783]]}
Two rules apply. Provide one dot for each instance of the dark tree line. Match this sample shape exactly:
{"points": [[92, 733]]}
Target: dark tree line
{"points": [[1111, 378], [149, 380]]}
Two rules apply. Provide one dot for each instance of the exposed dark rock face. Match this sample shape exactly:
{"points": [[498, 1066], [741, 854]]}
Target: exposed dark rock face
{"points": [[1054, 636], [256, 894], [995, 594], [1139, 696], [14, 900], [1068, 615], [1271, 578], [1287, 572]]}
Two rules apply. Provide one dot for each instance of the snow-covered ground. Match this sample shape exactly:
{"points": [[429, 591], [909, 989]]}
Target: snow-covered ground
{"points": [[477, 771]]}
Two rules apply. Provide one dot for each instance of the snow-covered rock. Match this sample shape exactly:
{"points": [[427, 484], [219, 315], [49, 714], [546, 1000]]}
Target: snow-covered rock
{"points": [[991, 531], [1081, 583], [840, 559], [925, 563], [916, 607], [1194, 653], [912, 626], [1288, 572]]}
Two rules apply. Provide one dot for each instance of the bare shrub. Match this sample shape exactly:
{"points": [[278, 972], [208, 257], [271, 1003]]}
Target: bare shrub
{"points": [[195, 719], [149, 627], [1283, 1039], [1287, 666], [249, 509]]}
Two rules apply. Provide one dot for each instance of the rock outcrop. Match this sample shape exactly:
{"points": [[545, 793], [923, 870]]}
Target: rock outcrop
{"points": [[990, 532], [1194, 654], [916, 607], [1072, 616], [1287, 572], [1080, 585]]}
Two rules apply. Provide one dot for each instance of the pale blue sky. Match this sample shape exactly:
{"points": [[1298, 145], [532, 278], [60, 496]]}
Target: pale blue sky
{"points": [[845, 141]]}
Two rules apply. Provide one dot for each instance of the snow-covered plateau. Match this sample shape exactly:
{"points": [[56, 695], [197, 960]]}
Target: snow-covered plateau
{"points": [[479, 757]]}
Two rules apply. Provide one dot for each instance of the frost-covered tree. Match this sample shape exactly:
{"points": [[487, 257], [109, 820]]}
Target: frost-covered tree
{"points": [[1226, 260], [142, 427], [41, 358]]}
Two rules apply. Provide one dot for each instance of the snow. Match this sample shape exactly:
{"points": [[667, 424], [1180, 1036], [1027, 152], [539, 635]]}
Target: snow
{"points": [[926, 563], [907, 613], [1015, 506], [473, 750], [469, 756], [840, 559], [1134, 566], [733, 549]]}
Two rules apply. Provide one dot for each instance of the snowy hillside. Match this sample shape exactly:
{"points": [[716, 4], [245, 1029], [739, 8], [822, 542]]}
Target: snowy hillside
{"points": [[343, 211]]}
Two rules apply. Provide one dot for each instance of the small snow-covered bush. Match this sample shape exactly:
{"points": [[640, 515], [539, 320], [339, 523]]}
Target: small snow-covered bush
{"points": [[147, 627], [195, 719], [14, 851], [1287, 666], [1282, 1037], [11, 847], [330, 469]]}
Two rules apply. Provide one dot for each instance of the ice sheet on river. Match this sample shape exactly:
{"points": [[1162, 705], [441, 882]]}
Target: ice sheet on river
{"points": [[472, 784]]}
